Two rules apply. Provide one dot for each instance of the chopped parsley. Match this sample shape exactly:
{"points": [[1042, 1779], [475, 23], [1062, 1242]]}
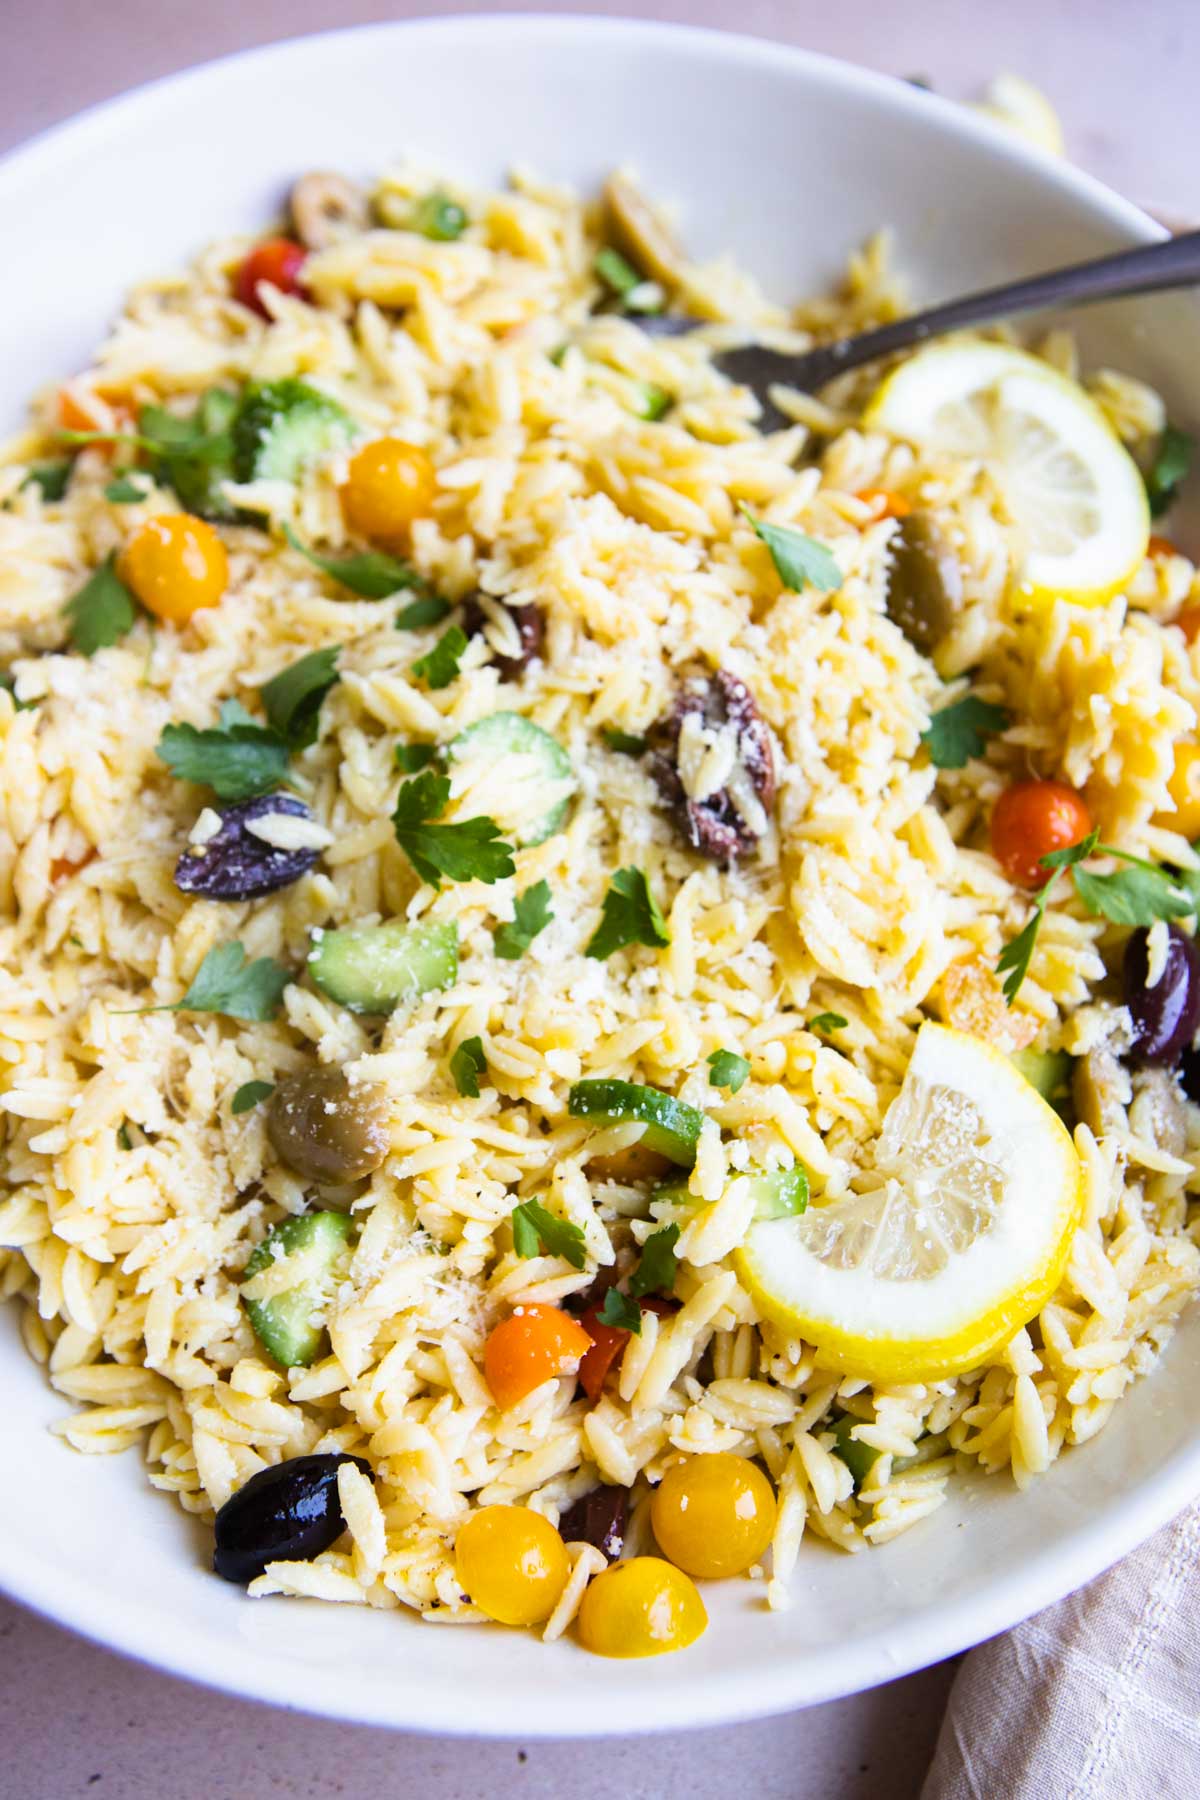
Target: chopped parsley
{"points": [[800, 561], [371, 574], [123, 492], [471, 850], [827, 1021], [622, 1312], [236, 758], [623, 741], [292, 698], [467, 1064], [1169, 469], [124, 1141], [8, 683], [439, 217], [534, 1227], [226, 983], [957, 732], [656, 1272], [250, 1095], [193, 455], [531, 915], [631, 916], [428, 609], [616, 272], [653, 401], [411, 758], [726, 1069], [439, 666], [102, 612], [51, 478]]}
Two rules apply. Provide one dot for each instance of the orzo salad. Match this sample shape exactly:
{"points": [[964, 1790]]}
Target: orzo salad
{"points": [[599, 989]]}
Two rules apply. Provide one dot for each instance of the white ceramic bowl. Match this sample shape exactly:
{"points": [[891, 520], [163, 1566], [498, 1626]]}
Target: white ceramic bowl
{"points": [[790, 161]]}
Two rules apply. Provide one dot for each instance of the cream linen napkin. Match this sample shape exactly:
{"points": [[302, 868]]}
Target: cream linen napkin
{"points": [[1097, 1698]]}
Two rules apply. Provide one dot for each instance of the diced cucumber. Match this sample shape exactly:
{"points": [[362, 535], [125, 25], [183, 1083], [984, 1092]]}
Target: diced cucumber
{"points": [[778, 1193], [672, 1127], [375, 968], [860, 1459], [290, 1325], [282, 426], [1049, 1071], [528, 775]]}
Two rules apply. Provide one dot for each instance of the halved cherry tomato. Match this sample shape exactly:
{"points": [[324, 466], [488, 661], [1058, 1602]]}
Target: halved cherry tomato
{"points": [[1029, 820], [1160, 546], [608, 1342], [887, 504], [80, 408], [535, 1344], [277, 261]]}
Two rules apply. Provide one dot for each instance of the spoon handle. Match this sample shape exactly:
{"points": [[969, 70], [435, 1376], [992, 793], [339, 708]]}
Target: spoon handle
{"points": [[1175, 262]]}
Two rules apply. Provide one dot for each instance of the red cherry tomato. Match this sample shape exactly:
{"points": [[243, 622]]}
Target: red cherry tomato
{"points": [[1031, 819], [608, 1342], [276, 260]]}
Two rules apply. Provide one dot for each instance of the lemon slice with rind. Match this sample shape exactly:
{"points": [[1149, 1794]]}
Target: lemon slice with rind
{"points": [[1068, 487], [952, 1240]]}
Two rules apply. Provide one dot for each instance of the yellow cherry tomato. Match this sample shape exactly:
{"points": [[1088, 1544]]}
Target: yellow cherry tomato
{"points": [[512, 1563], [390, 483], [175, 564], [713, 1515], [641, 1608], [1184, 789]]}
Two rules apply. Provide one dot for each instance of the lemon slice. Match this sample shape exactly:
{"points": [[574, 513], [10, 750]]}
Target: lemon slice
{"points": [[951, 1241], [1069, 487]]}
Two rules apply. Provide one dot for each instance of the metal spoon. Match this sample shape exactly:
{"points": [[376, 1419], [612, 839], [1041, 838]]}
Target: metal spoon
{"points": [[1147, 270]]}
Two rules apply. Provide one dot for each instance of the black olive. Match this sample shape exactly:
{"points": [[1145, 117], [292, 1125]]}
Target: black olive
{"points": [[236, 864], [925, 582], [288, 1513], [1165, 1016], [328, 1129], [716, 826], [530, 630], [598, 1518]]}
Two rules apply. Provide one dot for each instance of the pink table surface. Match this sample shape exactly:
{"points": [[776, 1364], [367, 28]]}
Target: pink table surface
{"points": [[75, 1720]]}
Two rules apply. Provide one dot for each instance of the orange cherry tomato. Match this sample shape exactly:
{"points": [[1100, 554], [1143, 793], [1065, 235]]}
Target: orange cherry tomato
{"points": [[1031, 819], [277, 261], [389, 484], [534, 1345], [1184, 789], [62, 866], [887, 505], [1160, 546], [175, 564], [1188, 622]]}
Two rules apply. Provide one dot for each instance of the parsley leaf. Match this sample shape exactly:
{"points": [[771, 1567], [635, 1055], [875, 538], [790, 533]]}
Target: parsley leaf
{"points": [[800, 561], [249, 1096], [1138, 894], [620, 1311], [123, 1138], [631, 916], [727, 1070], [292, 698], [102, 611], [1013, 961], [617, 274], [9, 684], [471, 850], [226, 983], [653, 401], [466, 1065], [122, 491], [658, 1268], [1169, 469], [623, 741], [439, 217], [410, 758], [440, 665], [53, 478], [827, 1021], [371, 574], [194, 455], [430, 609], [531, 914], [956, 733], [533, 1226], [237, 758]]}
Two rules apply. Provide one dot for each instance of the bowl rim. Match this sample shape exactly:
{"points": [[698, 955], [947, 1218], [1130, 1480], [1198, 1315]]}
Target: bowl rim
{"points": [[707, 1700]]}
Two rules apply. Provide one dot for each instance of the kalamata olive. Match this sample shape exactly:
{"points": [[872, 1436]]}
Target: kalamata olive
{"points": [[328, 1129], [240, 863], [287, 1513], [520, 629], [714, 766], [598, 1518], [659, 325], [924, 583], [1189, 1075], [1165, 1016]]}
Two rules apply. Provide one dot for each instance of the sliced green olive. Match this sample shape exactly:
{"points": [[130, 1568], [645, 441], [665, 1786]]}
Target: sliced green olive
{"points": [[925, 582], [328, 1129]]}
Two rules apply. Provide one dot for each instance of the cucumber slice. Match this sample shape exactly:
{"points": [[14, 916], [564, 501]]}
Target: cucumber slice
{"points": [[518, 774], [860, 1459], [778, 1193], [374, 968], [290, 1325], [672, 1127], [282, 426]]}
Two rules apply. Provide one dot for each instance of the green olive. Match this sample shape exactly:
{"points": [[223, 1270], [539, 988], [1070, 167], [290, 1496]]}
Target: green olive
{"points": [[327, 1129], [925, 583]]}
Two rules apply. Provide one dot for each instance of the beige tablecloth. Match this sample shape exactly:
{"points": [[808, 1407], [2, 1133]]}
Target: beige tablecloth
{"points": [[1097, 1698]]}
